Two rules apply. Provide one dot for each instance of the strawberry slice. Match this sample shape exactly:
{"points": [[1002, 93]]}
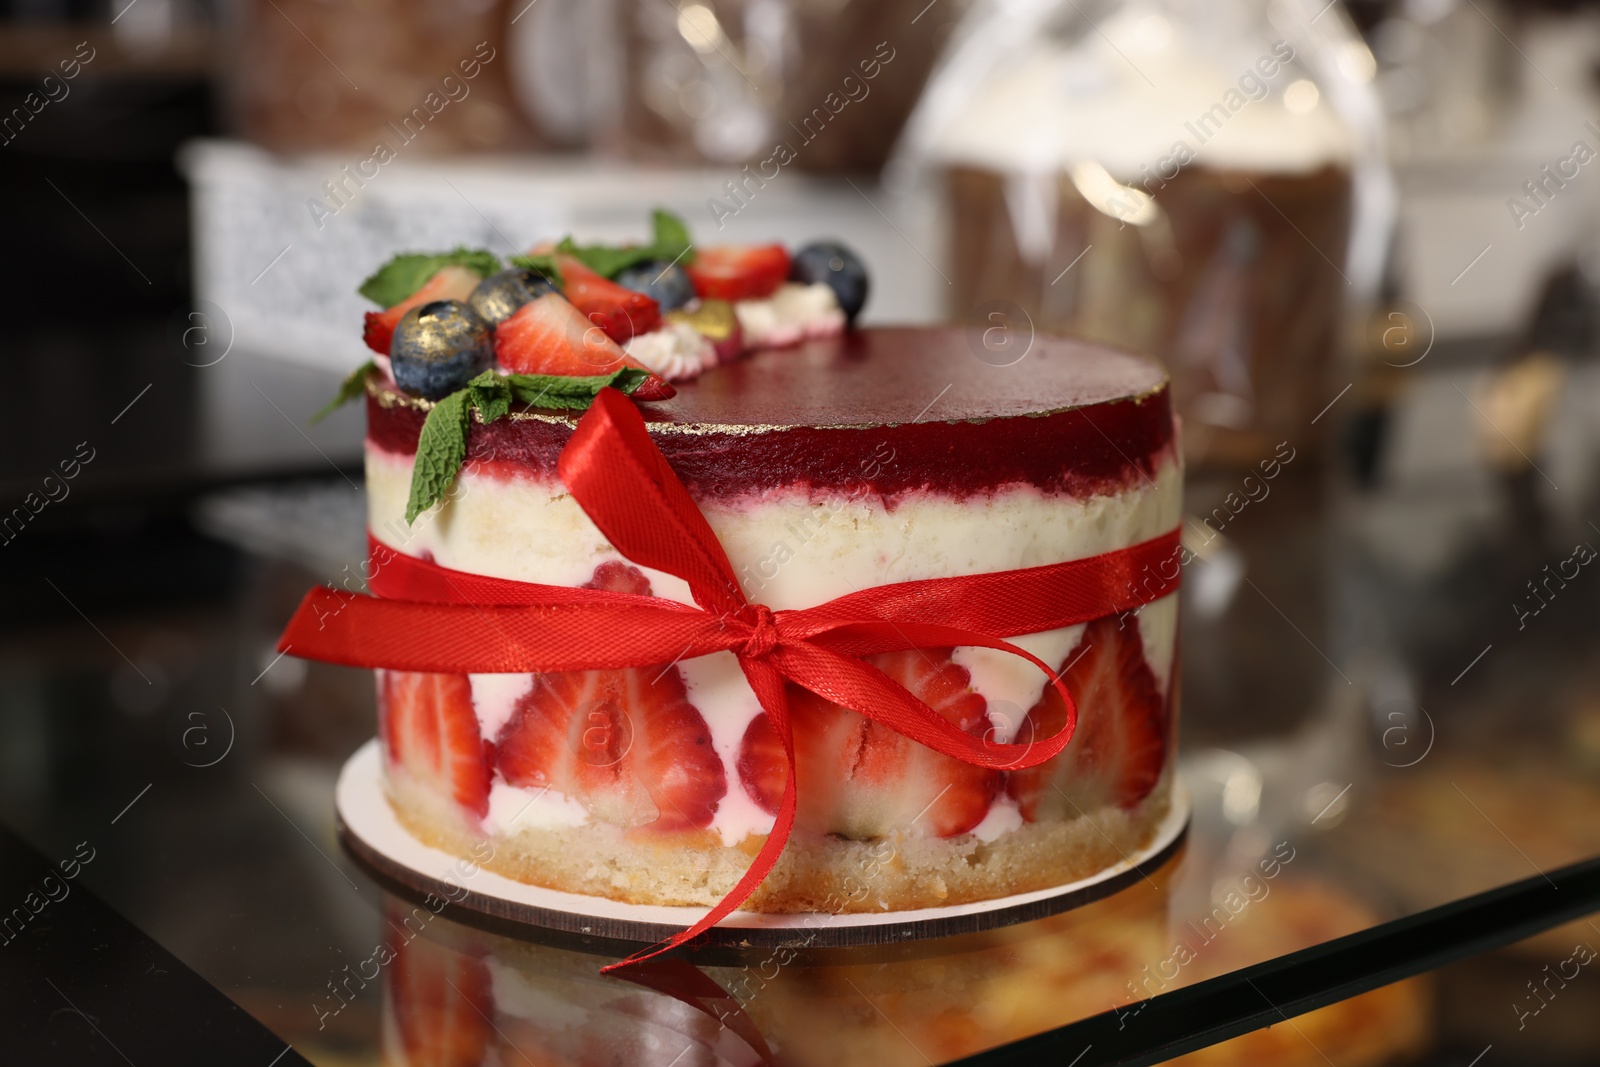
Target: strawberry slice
{"points": [[449, 283], [614, 576], [550, 336], [442, 1002], [860, 779], [738, 272], [762, 769], [627, 744], [1120, 747], [429, 729], [622, 313]]}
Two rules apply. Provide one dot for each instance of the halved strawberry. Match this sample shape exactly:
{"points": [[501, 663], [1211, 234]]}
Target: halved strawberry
{"points": [[443, 1002], [627, 744], [1120, 747], [762, 769], [430, 730], [550, 336], [860, 779], [622, 313], [738, 272], [450, 283]]}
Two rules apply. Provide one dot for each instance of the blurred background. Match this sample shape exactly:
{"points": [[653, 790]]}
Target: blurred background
{"points": [[1363, 236]]}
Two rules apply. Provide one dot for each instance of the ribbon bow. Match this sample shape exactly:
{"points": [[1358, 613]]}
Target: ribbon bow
{"points": [[431, 618]]}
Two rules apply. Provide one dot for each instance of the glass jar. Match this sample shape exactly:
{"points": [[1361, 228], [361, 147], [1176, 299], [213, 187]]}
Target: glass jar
{"points": [[822, 84], [311, 76], [1203, 182]]}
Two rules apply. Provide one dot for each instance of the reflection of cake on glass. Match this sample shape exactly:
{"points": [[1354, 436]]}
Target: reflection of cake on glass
{"points": [[1170, 180], [842, 462], [454, 992]]}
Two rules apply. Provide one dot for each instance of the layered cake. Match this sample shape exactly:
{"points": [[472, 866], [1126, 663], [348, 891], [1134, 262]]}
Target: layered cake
{"points": [[842, 460]]}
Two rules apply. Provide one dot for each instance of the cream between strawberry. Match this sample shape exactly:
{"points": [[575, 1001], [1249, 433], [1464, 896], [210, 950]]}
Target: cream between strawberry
{"points": [[538, 534]]}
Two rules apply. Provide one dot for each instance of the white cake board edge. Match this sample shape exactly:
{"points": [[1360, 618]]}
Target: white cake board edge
{"points": [[372, 833]]}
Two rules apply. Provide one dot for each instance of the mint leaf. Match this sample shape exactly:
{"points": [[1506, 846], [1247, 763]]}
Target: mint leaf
{"points": [[569, 393], [441, 447], [409, 271], [627, 379], [670, 244], [353, 386], [491, 395], [607, 260], [672, 238], [545, 265]]}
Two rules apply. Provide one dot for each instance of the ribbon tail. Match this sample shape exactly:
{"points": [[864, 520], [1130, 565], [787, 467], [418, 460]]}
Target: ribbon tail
{"points": [[856, 640], [768, 683], [866, 690], [688, 984]]}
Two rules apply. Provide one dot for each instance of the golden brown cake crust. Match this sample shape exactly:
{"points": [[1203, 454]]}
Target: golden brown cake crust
{"points": [[815, 874]]}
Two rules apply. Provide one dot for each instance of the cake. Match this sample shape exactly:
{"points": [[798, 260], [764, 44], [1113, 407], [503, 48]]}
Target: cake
{"points": [[846, 459]]}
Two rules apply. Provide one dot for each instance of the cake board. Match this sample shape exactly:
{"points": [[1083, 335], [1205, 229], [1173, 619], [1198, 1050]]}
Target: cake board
{"points": [[370, 832]]}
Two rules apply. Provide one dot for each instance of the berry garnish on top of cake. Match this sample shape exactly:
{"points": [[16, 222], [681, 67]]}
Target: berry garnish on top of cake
{"points": [[498, 296], [675, 309], [438, 347], [551, 336], [467, 333], [832, 264], [739, 272], [414, 278], [621, 312], [666, 283]]}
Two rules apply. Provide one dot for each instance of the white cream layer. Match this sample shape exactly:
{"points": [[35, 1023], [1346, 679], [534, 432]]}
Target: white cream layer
{"points": [[792, 549]]}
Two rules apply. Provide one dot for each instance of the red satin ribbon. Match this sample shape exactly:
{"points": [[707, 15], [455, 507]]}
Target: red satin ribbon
{"points": [[431, 618]]}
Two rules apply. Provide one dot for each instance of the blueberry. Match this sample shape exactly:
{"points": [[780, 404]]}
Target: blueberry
{"points": [[665, 283], [438, 348], [498, 296], [834, 264]]}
